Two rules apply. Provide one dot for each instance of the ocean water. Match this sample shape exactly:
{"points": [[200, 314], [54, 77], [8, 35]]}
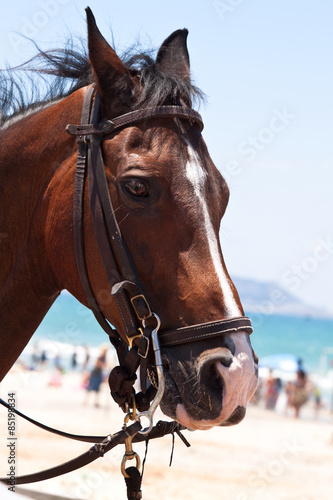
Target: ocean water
{"points": [[69, 322]]}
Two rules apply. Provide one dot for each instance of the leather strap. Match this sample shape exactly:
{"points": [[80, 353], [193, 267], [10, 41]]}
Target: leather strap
{"points": [[205, 331], [113, 250], [76, 437], [98, 450], [109, 126], [78, 213], [106, 230]]}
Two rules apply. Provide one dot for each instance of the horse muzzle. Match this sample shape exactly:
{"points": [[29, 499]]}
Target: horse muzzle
{"points": [[210, 383]]}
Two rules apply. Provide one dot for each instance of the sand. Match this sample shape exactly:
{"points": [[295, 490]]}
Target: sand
{"points": [[267, 456]]}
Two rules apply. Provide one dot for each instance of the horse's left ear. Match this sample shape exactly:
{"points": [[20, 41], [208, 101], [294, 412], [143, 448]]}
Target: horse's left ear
{"points": [[173, 57], [113, 80]]}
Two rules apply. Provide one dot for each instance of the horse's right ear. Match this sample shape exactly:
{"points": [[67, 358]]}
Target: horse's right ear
{"points": [[113, 81], [173, 57]]}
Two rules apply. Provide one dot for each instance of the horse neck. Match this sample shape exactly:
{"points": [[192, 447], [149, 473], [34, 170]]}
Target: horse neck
{"points": [[31, 149]]}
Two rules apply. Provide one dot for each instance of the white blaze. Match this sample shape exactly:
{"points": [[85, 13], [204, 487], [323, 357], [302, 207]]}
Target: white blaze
{"points": [[197, 176]]}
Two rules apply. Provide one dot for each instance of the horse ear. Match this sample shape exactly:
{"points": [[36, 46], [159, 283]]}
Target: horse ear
{"points": [[173, 56], [113, 80]]}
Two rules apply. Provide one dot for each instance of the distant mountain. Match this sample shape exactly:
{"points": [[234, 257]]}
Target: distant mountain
{"points": [[271, 298]]}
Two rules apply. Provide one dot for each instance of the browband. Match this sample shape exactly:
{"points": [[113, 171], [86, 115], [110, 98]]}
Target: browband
{"points": [[109, 126]]}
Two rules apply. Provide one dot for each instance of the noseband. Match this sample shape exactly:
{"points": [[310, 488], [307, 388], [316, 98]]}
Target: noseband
{"points": [[137, 316]]}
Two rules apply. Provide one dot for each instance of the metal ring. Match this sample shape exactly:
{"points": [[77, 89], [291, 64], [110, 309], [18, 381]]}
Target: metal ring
{"points": [[129, 457], [130, 415], [158, 322]]}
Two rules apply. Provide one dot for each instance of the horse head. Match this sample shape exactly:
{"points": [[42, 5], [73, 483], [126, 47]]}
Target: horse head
{"points": [[169, 199]]}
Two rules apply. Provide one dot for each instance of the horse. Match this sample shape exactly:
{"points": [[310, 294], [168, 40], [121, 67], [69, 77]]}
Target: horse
{"points": [[168, 200]]}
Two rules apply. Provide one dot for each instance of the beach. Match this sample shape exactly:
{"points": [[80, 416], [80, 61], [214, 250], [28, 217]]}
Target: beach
{"points": [[266, 456]]}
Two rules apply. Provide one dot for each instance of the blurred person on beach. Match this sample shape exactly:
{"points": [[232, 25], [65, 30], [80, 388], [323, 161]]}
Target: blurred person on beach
{"points": [[43, 358], [58, 363], [301, 391], [317, 400], [85, 367], [56, 378], [74, 360], [96, 376], [289, 390], [273, 387], [57, 373]]}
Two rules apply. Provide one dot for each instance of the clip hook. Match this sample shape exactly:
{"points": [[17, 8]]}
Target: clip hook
{"points": [[160, 376], [130, 454]]}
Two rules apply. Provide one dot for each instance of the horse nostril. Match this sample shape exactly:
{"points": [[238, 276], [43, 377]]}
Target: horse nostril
{"points": [[213, 377], [210, 374], [225, 360], [210, 367]]}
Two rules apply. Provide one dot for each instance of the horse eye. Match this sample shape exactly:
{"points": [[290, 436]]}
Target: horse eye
{"points": [[136, 187]]}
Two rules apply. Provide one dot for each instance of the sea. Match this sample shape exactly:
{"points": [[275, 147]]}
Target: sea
{"points": [[69, 326]]}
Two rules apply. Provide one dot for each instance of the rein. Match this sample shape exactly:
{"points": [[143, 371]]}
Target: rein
{"points": [[139, 346], [102, 445]]}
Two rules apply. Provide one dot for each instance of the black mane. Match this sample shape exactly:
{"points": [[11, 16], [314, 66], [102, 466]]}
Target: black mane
{"points": [[57, 73]]}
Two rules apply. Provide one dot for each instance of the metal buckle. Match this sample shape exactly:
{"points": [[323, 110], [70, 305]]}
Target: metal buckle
{"points": [[143, 354], [146, 305], [131, 339]]}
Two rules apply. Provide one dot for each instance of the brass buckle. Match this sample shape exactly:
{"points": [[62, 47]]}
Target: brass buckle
{"points": [[142, 297], [132, 339], [144, 353]]}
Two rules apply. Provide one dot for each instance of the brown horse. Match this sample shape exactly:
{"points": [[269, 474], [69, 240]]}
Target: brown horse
{"points": [[168, 198]]}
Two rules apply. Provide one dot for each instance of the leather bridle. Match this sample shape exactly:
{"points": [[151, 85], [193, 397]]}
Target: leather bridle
{"points": [[134, 308]]}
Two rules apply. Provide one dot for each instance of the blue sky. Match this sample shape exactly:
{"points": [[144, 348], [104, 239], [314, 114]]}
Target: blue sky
{"points": [[267, 70]]}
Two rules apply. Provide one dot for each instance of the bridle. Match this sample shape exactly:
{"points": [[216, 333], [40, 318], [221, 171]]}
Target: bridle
{"points": [[139, 345], [133, 347]]}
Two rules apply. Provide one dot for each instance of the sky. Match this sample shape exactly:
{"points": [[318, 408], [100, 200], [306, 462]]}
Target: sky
{"points": [[266, 68]]}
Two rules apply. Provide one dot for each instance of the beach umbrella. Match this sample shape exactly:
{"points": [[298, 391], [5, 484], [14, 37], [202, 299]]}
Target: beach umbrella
{"points": [[282, 362]]}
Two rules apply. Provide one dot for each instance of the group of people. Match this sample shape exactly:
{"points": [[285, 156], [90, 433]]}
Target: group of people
{"points": [[93, 370], [92, 380], [294, 394]]}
